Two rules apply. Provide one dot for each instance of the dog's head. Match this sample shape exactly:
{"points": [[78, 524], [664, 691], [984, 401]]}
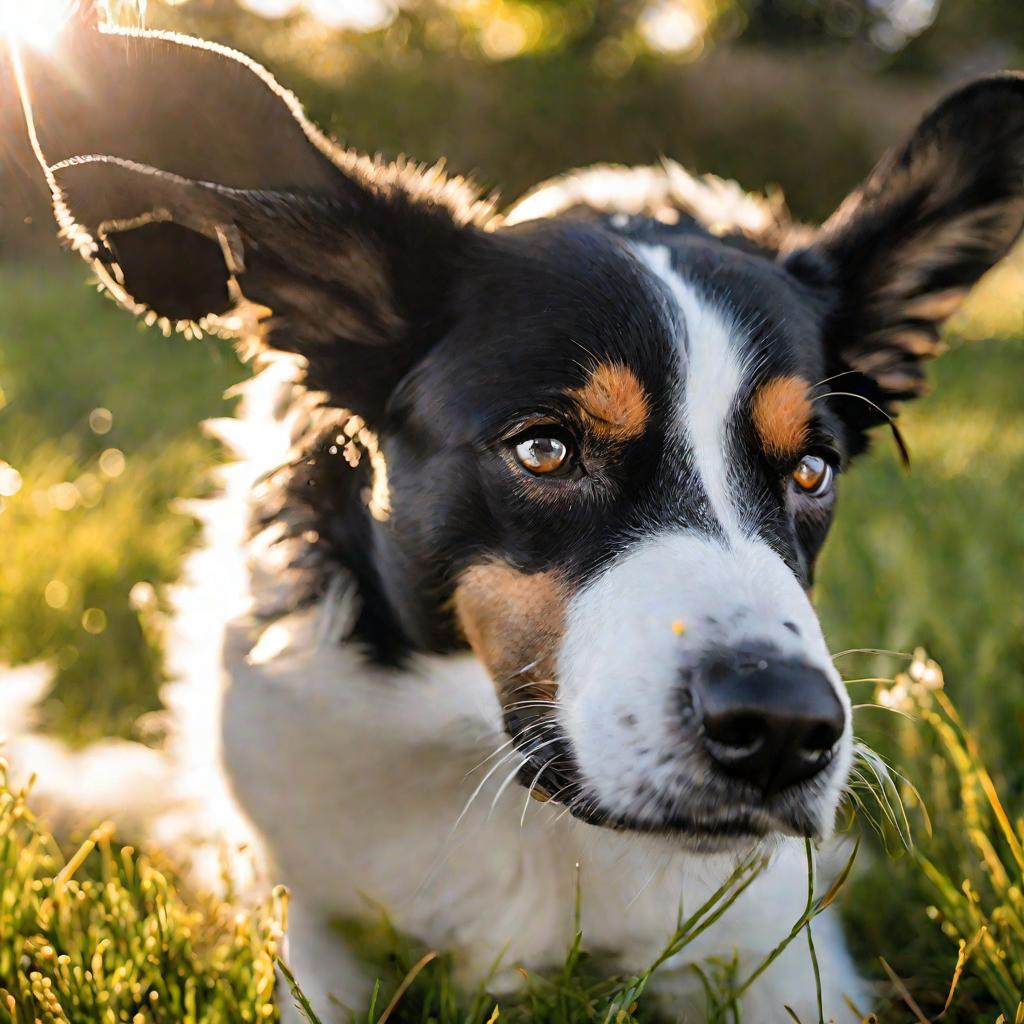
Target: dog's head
{"points": [[605, 447]]}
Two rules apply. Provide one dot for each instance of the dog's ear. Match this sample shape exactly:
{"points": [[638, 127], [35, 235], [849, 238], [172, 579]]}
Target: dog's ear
{"points": [[902, 251], [191, 180]]}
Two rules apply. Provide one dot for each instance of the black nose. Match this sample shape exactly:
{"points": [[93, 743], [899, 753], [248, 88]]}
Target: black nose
{"points": [[767, 722]]}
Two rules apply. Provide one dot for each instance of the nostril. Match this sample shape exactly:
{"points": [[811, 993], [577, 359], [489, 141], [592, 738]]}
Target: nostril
{"points": [[821, 738], [740, 732]]}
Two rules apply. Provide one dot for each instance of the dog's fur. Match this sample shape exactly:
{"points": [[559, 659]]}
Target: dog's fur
{"points": [[396, 634]]}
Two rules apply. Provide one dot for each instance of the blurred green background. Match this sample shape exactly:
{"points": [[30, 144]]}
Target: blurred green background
{"points": [[99, 416]]}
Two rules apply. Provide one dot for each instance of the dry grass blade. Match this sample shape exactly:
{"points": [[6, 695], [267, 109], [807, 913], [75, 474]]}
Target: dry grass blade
{"points": [[404, 986], [839, 881], [963, 954], [904, 992]]}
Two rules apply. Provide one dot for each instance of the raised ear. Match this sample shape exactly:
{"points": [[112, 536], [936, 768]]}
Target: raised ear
{"points": [[902, 251], [191, 181]]}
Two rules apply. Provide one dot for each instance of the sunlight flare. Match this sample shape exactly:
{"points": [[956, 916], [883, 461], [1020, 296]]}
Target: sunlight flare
{"points": [[35, 22]]}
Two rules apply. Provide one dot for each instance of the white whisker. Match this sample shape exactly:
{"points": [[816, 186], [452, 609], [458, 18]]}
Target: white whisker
{"points": [[513, 774], [650, 878], [476, 792], [529, 792], [494, 753], [525, 668], [529, 683], [872, 650], [531, 704]]}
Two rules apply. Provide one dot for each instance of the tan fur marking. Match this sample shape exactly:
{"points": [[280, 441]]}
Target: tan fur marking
{"points": [[782, 412], [917, 343], [898, 381], [512, 620], [937, 305], [614, 402]]}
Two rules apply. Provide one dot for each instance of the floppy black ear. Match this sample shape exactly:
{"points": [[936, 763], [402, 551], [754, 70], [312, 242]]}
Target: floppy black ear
{"points": [[191, 180], [902, 251]]}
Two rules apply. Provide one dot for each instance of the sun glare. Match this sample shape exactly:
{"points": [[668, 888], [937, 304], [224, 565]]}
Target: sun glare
{"points": [[36, 22]]}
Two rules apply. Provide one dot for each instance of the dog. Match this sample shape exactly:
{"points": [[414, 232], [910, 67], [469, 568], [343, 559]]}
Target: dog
{"points": [[526, 505]]}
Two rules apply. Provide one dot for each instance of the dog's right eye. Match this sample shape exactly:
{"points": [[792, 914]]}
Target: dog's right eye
{"points": [[541, 455]]}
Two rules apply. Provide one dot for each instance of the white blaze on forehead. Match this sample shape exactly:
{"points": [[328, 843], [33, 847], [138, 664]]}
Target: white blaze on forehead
{"points": [[712, 375]]}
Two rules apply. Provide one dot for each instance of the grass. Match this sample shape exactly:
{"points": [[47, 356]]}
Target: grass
{"points": [[932, 559], [963, 872], [105, 936]]}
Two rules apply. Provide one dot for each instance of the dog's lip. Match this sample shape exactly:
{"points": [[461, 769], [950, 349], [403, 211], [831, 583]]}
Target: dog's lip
{"points": [[738, 822], [733, 824]]}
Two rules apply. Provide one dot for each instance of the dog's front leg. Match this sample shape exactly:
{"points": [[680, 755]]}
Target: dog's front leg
{"points": [[331, 977]]}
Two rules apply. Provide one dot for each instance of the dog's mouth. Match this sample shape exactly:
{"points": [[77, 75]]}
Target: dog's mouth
{"points": [[711, 831], [550, 773]]}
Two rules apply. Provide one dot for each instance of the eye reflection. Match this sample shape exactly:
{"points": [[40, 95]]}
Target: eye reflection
{"points": [[541, 455]]}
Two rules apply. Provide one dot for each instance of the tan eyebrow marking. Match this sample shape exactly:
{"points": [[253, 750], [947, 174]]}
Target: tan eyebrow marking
{"points": [[614, 402], [513, 622], [782, 415]]}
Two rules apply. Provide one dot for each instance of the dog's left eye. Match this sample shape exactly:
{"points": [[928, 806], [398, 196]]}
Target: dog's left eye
{"points": [[814, 476], [541, 455]]}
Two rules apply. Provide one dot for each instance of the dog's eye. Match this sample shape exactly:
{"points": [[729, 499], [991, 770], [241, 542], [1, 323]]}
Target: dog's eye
{"points": [[541, 455], [814, 476]]}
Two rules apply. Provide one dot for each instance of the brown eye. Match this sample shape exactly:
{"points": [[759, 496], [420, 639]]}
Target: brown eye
{"points": [[814, 476], [541, 455]]}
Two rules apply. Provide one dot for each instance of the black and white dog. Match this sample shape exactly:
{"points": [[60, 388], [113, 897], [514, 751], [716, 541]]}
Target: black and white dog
{"points": [[527, 504]]}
